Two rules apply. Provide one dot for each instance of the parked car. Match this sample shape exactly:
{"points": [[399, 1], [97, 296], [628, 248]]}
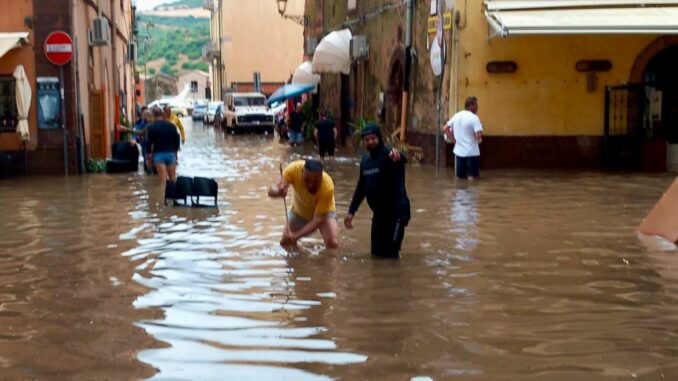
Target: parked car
{"points": [[247, 112], [179, 111], [211, 110], [199, 111]]}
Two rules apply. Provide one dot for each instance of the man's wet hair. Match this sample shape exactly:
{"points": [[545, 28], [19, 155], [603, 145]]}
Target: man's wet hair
{"points": [[313, 165], [470, 101]]}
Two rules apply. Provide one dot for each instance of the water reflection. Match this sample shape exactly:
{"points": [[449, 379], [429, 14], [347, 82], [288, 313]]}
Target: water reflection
{"points": [[522, 275]]}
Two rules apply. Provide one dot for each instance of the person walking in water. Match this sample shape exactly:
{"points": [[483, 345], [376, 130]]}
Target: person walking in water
{"points": [[313, 206], [163, 146], [325, 133], [172, 118], [466, 132], [382, 182]]}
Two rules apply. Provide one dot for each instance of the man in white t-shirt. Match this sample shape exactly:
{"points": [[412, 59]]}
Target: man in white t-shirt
{"points": [[466, 132]]}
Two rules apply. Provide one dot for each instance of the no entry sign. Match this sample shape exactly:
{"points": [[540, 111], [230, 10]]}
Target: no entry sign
{"points": [[59, 48]]}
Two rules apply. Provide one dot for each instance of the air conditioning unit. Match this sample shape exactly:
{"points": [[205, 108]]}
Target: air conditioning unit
{"points": [[132, 52], [311, 44], [100, 34], [359, 47]]}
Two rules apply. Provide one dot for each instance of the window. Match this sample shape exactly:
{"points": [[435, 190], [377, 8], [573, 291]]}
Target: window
{"points": [[249, 101], [194, 86], [501, 67], [352, 4], [8, 112]]}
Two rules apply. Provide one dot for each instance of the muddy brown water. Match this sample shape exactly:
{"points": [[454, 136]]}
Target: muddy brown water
{"points": [[525, 275]]}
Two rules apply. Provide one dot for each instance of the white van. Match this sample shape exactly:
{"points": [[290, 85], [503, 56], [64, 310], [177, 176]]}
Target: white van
{"points": [[247, 112]]}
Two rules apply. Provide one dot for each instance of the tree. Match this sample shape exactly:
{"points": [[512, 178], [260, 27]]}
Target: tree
{"points": [[166, 69], [151, 70]]}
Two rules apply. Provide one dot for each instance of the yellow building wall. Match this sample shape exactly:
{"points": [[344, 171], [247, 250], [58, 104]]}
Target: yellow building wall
{"points": [[256, 38], [15, 12], [546, 95]]}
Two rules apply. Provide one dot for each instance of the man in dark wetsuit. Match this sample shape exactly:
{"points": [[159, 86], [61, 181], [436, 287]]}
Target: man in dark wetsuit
{"points": [[325, 133], [382, 181]]}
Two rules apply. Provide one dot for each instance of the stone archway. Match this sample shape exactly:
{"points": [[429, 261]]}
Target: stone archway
{"points": [[394, 93], [655, 67]]}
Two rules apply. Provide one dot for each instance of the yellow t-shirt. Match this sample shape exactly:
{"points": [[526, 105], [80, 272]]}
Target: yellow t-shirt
{"points": [[180, 126], [305, 204]]}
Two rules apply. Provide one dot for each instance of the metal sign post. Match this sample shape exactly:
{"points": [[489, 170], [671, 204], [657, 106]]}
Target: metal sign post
{"points": [[59, 51]]}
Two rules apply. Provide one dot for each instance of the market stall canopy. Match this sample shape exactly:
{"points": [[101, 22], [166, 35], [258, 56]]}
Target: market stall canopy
{"points": [[304, 75], [23, 102], [534, 17], [9, 41], [333, 54]]}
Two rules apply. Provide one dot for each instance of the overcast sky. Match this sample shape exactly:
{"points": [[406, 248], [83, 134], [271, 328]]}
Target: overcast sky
{"points": [[149, 4]]}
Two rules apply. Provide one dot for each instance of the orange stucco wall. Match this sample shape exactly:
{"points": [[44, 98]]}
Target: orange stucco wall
{"points": [[14, 13]]}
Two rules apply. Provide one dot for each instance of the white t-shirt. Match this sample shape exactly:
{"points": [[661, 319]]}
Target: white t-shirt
{"points": [[464, 125]]}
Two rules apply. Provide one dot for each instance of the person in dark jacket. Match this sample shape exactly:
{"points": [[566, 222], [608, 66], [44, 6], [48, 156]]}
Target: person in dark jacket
{"points": [[163, 146], [382, 182]]}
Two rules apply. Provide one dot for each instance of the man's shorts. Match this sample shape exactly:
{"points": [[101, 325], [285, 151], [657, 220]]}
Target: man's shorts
{"points": [[167, 158], [325, 148], [296, 137], [299, 221], [467, 166]]}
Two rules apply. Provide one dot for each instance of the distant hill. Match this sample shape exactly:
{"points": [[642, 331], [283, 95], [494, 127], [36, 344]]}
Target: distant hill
{"points": [[175, 43], [181, 4]]}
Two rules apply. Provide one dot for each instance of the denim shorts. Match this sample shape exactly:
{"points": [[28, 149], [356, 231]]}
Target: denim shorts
{"points": [[295, 137], [167, 158], [467, 166]]}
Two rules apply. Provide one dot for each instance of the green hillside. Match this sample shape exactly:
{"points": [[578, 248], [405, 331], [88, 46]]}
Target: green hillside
{"points": [[171, 37], [183, 4]]}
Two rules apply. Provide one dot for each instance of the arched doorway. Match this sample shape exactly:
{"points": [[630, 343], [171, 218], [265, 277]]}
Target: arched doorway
{"points": [[653, 99], [394, 97], [661, 87]]}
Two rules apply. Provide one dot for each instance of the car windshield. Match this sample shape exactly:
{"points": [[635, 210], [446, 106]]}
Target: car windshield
{"points": [[249, 101], [213, 106], [201, 106]]}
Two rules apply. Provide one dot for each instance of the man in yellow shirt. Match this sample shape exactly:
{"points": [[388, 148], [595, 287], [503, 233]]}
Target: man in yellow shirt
{"points": [[170, 117], [313, 205]]}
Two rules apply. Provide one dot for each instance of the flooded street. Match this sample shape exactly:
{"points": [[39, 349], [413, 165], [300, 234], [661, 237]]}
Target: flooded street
{"points": [[525, 275]]}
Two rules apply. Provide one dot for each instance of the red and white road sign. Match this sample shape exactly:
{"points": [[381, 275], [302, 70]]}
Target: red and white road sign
{"points": [[59, 48]]}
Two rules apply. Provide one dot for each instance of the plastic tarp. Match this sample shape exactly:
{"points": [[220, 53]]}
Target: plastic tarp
{"points": [[333, 54], [627, 20]]}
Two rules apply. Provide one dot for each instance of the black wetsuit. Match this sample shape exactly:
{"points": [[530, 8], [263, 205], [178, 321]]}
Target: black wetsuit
{"points": [[382, 181], [326, 144]]}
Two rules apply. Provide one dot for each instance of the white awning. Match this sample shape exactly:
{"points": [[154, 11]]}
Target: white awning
{"points": [[505, 5], [9, 41], [333, 54], [304, 75], [556, 20]]}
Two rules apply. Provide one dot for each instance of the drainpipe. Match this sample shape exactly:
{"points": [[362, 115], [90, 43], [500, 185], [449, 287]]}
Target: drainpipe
{"points": [[408, 69]]}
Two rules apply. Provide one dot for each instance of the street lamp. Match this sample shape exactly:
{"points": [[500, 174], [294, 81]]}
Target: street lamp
{"points": [[282, 7]]}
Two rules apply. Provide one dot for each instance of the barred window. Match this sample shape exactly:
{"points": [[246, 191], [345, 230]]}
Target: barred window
{"points": [[8, 111]]}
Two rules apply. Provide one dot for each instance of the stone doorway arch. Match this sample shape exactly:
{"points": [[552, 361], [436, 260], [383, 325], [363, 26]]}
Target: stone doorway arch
{"points": [[394, 92]]}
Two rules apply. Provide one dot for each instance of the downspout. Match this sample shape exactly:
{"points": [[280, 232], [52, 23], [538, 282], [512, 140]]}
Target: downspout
{"points": [[116, 86], [221, 66], [456, 34], [408, 70]]}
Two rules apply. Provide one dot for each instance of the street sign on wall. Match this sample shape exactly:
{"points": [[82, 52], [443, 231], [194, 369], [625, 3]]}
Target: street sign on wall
{"points": [[59, 48]]}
